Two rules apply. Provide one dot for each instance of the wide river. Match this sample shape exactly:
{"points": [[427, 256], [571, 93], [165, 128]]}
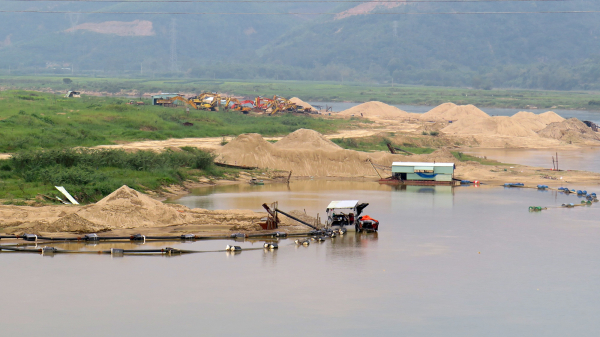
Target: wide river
{"points": [[461, 261]]}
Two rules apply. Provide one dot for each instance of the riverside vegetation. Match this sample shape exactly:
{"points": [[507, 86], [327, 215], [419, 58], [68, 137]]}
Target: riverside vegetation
{"points": [[317, 91], [42, 131], [89, 175], [33, 120]]}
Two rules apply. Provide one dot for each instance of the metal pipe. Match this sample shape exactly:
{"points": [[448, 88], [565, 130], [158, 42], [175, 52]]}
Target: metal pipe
{"points": [[293, 217]]}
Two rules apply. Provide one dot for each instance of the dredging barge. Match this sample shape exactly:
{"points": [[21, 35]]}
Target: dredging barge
{"points": [[421, 173]]}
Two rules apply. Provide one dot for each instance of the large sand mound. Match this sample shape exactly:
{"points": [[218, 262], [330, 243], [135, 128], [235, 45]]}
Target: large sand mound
{"points": [[375, 109], [551, 117], [301, 103], [452, 112], [489, 126], [128, 208], [536, 122], [571, 130], [305, 152], [306, 139]]}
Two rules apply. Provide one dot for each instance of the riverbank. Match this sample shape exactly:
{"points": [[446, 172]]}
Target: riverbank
{"points": [[312, 91]]}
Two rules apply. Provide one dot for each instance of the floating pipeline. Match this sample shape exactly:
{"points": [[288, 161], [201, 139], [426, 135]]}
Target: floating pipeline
{"points": [[314, 235], [589, 197], [143, 238]]}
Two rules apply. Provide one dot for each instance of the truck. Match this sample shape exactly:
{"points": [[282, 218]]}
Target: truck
{"points": [[346, 215]]}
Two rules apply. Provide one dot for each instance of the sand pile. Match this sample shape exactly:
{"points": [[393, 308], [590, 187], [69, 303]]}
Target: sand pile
{"points": [[571, 130], [375, 109], [550, 117], [285, 221], [73, 223], [536, 122], [307, 139], [438, 156], [452, 112], [301, 103], [128, 208], [489, 126], [305, 152]]}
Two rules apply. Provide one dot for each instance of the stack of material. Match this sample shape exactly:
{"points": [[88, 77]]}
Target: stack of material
{"points": [[452, 112], [301, 103], [536, 122], [489, 126], [571, 130], [376, 109]]}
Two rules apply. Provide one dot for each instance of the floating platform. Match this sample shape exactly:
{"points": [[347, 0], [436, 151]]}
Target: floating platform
{"points": [[394, 181]]}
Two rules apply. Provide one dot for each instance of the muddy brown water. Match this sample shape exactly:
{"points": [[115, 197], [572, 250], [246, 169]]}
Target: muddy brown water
{"points": [[584, 159], [461, 261]]}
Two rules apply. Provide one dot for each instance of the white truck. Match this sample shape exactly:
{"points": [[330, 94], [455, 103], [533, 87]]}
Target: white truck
{"points": [[345, 214]]}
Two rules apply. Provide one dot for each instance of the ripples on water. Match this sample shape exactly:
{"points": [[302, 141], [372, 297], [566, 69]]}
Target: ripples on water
{"points": [[461, 261]]}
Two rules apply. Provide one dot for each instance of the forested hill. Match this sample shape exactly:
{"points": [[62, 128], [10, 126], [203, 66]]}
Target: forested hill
{"points": [[535, 50], [123, 41]]}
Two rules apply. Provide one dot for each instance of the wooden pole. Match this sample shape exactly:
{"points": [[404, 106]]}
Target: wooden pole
{"points": [[557, 161]]}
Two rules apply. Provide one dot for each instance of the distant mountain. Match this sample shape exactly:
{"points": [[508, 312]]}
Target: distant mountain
{"points": [[123, 41], [441, 48], [553, 51]]}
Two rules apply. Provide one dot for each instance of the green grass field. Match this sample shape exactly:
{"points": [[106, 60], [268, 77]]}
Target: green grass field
{"points": [[319, 91], [33, 120], [378, 143], [41, 130]]}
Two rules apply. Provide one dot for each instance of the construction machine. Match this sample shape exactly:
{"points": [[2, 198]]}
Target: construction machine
{"points": [[207, 101], [262, 104], [171, 101], [243, 106]]}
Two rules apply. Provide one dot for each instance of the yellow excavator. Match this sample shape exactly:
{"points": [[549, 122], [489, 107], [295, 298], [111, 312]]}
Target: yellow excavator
{"points": [[171, 101], [206, 101], [282, 104]]}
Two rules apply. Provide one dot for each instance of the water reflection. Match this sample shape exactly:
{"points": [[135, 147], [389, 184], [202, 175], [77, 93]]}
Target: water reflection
{"points": [[586, 159], [454, 262]]}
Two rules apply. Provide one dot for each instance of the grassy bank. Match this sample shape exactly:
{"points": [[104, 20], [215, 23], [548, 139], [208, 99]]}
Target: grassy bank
{"points": [[30, 120], [379, 143], [89, 175], [483, 161], [320, 91]]}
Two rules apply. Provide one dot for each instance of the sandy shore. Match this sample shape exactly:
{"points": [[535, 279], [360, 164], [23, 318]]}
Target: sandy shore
{"points": [[309, 154]]}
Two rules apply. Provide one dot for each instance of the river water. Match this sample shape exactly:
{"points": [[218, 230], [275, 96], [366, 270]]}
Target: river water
{"points": [[461, 261], [586, 159]]}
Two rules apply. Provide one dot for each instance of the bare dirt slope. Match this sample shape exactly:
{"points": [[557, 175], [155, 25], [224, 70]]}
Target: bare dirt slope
{"points": [[499, 125], [305, 152], [571, 130], [125, 208]]}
